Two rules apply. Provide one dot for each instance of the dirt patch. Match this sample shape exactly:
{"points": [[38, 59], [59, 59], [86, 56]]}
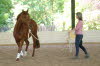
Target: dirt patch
{"points": [[50, 55]]}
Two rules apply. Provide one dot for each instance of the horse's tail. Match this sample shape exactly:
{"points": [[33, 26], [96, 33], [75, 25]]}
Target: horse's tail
{"points": [[37, 44]]}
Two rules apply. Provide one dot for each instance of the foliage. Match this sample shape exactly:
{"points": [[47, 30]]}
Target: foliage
{"points": [[49, 11], [42, 11], [5, 13]]}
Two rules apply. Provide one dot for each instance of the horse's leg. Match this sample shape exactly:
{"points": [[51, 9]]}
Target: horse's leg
{"points": [[34, 46], [19, 50], [18, 54], [27, 44], [33, 52]]}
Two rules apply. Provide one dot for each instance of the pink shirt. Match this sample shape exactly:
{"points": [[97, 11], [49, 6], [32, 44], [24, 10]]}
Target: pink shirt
{"points": [[79, 26]]}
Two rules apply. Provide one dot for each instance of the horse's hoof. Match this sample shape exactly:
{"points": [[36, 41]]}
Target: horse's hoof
{"points": [[17, 59], [21, 56], [37, 47]]}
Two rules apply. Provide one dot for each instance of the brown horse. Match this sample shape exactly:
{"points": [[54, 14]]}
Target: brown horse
{"points": [[21, 32]]}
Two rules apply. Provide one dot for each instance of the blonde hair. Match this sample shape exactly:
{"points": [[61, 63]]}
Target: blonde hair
{"points": [[79, 15]]}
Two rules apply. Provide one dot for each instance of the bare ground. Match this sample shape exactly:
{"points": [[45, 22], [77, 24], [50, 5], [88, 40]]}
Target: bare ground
{"points": [[50, 55]]}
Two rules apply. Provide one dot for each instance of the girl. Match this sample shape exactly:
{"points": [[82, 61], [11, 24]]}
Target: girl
{"points": [[79, 36]]}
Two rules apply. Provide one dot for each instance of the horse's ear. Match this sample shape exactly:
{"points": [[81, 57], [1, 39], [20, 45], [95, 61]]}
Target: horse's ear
{"points": [[22, 10]]}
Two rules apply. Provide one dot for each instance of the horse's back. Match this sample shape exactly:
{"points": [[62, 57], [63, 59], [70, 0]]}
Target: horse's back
{"points": [[33, 25]]}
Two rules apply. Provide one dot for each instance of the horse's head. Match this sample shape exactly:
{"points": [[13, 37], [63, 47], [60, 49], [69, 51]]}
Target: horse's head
{"points": [[24, 16]]}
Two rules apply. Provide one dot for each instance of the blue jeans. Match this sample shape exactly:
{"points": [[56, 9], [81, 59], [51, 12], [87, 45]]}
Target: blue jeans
{"points": [[78, 44]]}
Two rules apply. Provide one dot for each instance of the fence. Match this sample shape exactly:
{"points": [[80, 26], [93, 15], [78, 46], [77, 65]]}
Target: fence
{"points": [[52, 37]]}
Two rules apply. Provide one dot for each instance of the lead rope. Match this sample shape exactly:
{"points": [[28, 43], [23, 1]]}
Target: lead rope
{"points": [[33, 35]]}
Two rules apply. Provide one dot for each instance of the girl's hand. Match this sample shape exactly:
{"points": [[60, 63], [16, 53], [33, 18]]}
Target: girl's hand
{"points": [[73, 29]]}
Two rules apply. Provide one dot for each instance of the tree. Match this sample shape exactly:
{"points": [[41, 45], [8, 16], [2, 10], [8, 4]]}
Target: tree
{"points": [[5, 12], [42, 11]]}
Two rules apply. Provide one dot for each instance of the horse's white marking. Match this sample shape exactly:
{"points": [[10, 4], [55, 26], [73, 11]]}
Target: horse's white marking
{"points": [[21, 53], [18, 55], [25, 53]]}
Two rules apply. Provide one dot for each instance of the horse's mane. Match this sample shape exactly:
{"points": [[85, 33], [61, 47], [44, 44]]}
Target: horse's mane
{"points": [[18, 16]]}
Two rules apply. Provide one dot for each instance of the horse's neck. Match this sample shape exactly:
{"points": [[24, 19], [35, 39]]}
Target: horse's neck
{"points": [[20, 25]]}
